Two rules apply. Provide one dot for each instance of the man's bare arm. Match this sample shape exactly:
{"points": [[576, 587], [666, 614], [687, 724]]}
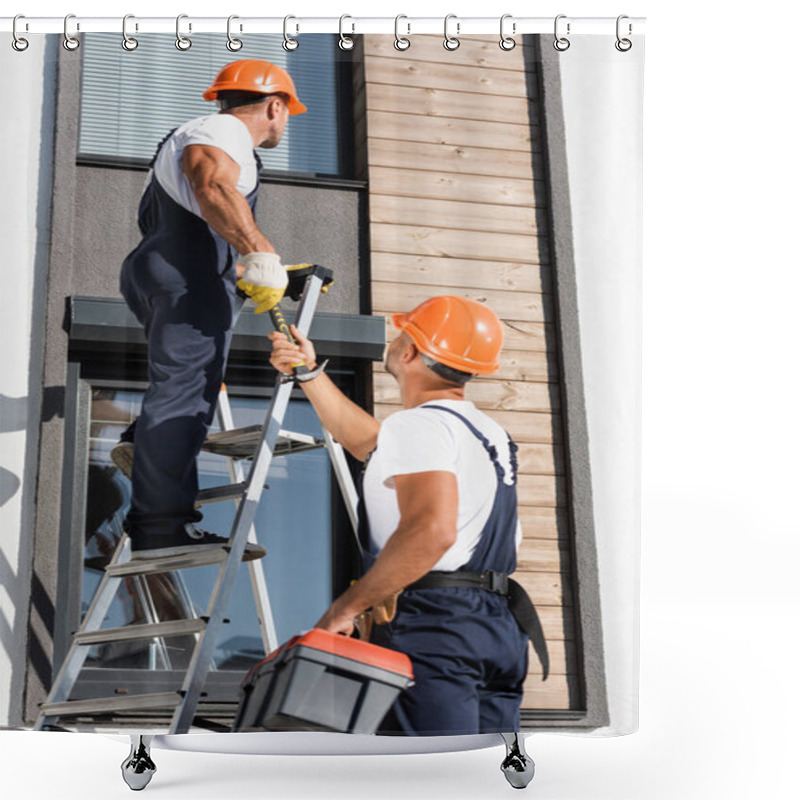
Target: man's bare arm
{"points": [[213, 175], [428, 503], [347, 422]]}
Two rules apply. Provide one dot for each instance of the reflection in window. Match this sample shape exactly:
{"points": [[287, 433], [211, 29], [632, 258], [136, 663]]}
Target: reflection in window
{"points": [[293, 523]]}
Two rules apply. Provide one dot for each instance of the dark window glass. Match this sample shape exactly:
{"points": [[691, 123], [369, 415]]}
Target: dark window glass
{"points": [[130, 100], [293, 522]]}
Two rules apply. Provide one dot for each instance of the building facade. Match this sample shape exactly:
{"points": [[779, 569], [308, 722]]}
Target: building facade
{"points": [[430, 172]]}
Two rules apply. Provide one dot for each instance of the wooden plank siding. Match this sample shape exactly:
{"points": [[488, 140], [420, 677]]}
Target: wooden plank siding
{"points": [[455, 158], [499, 135], [458, 205], [470, 273]]}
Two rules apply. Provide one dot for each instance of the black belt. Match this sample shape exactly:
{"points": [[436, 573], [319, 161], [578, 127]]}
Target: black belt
{"points": [[519, 604]]}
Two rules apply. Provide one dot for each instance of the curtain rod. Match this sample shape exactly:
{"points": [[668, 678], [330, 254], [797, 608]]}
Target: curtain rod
{"points": [[294, 25]]}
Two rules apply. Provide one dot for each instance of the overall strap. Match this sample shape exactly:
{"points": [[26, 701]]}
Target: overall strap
{"points": [[159, 146], [490, 448], [496, 548]]}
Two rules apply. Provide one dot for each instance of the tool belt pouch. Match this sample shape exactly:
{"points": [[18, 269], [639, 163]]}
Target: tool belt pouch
{"points": [[384, 612], [380, 614]]}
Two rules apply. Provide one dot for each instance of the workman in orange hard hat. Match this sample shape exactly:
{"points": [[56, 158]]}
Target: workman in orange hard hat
{"points": [[199, 242], [438, 522]]}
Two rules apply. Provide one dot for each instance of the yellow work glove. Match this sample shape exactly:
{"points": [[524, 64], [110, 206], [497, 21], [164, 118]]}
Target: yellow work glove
{"points": [[264, 279], [264, 297]]}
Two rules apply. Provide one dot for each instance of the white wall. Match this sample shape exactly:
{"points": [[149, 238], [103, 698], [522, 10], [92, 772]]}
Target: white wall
{"points": [[26, 96], [602, 97], [716, 106]]}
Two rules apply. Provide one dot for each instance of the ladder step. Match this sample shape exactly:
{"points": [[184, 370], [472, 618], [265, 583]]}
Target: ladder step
{"points": [[175, 627], [242, 442], [100, 705], [217, 494], [202, 558]]}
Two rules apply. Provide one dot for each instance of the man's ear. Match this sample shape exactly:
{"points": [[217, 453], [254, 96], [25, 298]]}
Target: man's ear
{"points": [[409, 353], [273, 107]]}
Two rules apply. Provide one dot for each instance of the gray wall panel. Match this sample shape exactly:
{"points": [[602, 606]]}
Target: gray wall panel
{"points": [[305, 223]]}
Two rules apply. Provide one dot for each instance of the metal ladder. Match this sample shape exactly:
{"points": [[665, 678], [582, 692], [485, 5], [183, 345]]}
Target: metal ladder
{"points": [[261, 444]]}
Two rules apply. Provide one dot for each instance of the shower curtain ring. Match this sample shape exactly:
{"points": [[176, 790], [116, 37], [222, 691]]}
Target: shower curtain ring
{"points": [[70, 42], [233, 44], [18, 43], [506, 42], [451, 42], [345, 42], [128, 42], [400, 42], [182, 42], [288, 42], [623, 45], [561, 43]]}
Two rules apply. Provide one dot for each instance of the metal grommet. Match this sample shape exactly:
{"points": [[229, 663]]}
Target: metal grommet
{"points": [[400, 42], [622, 44], [288, 42], [70, 42], [18, 43], [128, 42], [233, 44], [451, 42], [561, 43], [345, 42], [506, 42], [182, 42]]}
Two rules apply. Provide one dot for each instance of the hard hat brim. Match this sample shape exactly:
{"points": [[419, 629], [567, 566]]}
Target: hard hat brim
{"points": [[294, 105], [425, 345]]}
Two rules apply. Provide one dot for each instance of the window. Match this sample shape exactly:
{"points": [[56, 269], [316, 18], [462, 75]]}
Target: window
{"points": [[293, 523], [130, 100]]}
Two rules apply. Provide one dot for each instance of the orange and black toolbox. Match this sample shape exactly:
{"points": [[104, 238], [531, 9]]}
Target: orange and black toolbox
{"points": [[322, 681]]}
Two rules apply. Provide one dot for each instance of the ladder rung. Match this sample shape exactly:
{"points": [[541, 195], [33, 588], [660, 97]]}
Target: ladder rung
{"points": [[217, 494], [135, 632], [291, 442], [242, 442], [100, 705], [152, 566]]}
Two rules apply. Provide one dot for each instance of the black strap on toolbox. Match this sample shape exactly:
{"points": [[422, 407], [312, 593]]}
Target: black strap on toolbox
{"points": [[519, 603]]}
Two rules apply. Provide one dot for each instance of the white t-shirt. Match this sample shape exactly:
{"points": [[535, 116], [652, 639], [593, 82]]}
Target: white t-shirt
{"points": [[224, 131], [416, 440]]}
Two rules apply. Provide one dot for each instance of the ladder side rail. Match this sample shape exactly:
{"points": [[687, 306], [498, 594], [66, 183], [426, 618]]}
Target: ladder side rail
{"points": [[158, 647], [92, 620], [345, 480], [245, 517], [266, 621], [189, 610]]}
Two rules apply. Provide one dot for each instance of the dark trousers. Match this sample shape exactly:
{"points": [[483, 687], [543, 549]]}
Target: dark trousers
{"points": [[470, 659], [188, 311]]}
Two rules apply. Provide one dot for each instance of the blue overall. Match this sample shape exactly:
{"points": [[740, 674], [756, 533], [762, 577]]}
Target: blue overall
{"points": [[469, 655], [180, 282]]}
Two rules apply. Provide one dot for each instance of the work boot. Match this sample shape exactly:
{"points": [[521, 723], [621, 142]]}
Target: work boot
{"points": [[188, 541], [122, 456], [122, 452]]}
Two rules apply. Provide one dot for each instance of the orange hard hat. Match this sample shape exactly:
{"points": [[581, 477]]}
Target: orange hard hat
{"points": [[461, 334], [253, 75]]}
